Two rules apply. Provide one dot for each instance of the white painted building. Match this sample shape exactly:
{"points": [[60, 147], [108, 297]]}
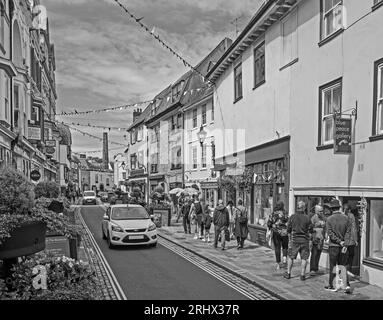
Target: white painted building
{"points": [[318, 57]]}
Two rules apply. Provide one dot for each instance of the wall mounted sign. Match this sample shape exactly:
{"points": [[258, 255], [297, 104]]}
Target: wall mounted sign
{"points": [[35, 175], [342, 136]]}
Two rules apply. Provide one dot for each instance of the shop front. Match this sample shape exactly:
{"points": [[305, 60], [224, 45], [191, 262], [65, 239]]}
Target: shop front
{"points": [[210, 192], [270, 168], [155, 181], [367, 208]]}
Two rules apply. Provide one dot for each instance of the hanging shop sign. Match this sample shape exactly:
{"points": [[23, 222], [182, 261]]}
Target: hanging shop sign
{"points": [[50, 143], [34, 133], [50, 150], [342, 136]]}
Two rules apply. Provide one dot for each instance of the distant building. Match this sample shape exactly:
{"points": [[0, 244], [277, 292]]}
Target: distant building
{"points": [[94, 176]]}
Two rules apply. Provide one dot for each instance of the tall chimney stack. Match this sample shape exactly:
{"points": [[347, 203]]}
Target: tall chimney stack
{"points": [[105, 151]]}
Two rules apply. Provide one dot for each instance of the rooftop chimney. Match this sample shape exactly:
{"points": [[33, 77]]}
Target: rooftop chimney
{"points": [[136, 114]]}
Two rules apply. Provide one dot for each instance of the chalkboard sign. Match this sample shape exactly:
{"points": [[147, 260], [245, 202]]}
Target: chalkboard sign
{"points": [[58, 246], [261, 238], [161, 217]]}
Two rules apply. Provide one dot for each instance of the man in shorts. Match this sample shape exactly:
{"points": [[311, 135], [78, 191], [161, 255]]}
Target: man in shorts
{"points": [[299, 227]]}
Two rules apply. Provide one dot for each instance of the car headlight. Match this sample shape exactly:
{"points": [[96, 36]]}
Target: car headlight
{"points": [[117, 228], [152, 227]]}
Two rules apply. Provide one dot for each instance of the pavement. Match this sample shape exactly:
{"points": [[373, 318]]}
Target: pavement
{"points": [[256, 264]]}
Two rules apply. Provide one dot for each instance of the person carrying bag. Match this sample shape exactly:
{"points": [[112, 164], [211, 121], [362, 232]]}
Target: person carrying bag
{"points": [[241, 229]]}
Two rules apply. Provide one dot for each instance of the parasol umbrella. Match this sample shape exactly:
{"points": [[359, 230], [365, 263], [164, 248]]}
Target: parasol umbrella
{"points": [[189, 191], [176, 191]]}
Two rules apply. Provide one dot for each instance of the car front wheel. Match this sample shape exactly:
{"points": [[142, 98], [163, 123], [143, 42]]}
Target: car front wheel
{"points": [[153, 245], [110, 244], [103, 234]]}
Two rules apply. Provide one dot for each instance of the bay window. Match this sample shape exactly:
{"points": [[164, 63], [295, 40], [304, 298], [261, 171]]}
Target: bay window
{"points": [[376, 230]]}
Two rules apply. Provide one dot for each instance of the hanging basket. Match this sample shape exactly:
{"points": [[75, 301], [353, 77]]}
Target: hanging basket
{"points": [[27, 239]]}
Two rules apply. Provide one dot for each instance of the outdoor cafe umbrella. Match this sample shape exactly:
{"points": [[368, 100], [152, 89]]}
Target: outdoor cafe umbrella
{"points": [[189, 191], [176, 191]]}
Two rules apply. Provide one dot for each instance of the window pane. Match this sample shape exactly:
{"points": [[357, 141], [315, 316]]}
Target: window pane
{"points": [[376, 230], [327, 103], [381, 82], [380, 116], [328, 129], [329, 22], [337, 97], [328, 5]]}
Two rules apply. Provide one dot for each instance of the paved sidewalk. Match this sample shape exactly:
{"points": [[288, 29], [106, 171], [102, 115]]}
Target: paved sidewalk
{"points": [[257, 264]]}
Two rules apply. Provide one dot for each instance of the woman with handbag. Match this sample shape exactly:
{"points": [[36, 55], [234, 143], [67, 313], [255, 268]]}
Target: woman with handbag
{"points": [[278, 226], [240, 224]]}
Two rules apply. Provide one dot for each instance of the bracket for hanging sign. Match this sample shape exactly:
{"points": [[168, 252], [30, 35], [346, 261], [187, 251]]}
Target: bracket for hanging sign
{"points": [[352, 112]]}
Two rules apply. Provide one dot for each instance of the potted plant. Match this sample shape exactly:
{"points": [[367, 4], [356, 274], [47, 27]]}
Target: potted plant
{"points": [[24, 220]]}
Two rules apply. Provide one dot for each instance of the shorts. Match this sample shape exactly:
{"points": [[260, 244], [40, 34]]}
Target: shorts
{"points": [[302, 248]]}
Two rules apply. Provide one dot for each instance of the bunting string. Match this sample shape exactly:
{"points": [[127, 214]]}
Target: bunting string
{"points": [[118, 108], [95, 137], [96, 151], [157, 37], [93, 126]]}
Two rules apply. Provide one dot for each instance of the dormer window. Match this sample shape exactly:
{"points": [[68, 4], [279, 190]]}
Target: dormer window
{"points": [[176, 91]]}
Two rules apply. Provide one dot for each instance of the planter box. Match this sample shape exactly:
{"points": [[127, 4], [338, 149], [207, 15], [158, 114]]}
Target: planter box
{"points": [[25, 240]]}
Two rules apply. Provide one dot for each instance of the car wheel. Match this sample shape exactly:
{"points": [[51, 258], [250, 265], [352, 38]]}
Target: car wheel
{"points": [[103, 234], [153, 245], [110, 244]]}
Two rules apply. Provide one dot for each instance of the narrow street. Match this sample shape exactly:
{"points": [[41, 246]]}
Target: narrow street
{"points": [[156, 273]]}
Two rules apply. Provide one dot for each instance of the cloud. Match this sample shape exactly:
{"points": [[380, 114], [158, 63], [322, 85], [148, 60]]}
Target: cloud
{"points": [[104, 58]]}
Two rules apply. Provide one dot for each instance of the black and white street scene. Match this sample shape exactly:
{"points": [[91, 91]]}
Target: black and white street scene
{"points": [[191, 150]]}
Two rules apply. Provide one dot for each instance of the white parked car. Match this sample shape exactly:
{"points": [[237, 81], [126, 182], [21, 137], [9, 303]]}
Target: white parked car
{"points": [[128, 224], [89, 197]]}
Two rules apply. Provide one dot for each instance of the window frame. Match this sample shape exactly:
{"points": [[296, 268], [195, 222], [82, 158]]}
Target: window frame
{"points": [[204, 114], [194, 155], [133, 161], [195, 118], [294, 42], [324, 13], [378, 85], [204, 156], [255, 59], [322, 89], [238, 77]]}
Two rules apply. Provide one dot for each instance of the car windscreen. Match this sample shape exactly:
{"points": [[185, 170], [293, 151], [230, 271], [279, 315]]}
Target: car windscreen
{"points": [[129, 213], [89, 194]]}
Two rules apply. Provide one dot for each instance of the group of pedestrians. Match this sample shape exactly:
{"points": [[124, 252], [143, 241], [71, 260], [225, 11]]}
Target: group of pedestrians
{"points": [[229, 221], [306, 234]]}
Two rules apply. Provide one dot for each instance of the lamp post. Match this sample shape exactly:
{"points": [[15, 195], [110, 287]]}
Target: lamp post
{"points": [[202, 134]]}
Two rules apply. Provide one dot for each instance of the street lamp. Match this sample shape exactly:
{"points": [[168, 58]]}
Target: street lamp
{"points": [[202, 134], [123, 165]]}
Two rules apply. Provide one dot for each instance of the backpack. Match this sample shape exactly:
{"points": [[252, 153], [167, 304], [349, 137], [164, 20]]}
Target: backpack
{"points": [[198, 208]]}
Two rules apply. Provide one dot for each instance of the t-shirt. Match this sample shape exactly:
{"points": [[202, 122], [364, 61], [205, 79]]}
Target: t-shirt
{"points": [[300, 227]]}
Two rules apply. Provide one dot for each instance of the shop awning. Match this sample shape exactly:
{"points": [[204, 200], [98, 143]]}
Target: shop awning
{"points": [[222, 167]]}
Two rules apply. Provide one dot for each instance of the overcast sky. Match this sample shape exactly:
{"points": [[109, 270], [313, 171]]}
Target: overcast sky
{"points": [[105, 59]]}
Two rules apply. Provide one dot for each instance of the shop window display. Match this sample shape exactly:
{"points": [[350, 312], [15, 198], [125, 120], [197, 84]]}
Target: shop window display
{"points": [[376, 229]]}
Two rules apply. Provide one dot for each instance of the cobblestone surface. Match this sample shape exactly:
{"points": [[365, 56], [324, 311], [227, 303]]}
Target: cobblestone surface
{"points": [[88, 254]]}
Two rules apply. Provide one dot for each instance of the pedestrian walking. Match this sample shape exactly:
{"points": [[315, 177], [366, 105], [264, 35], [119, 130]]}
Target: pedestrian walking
{"points": [[221, 223], [319, 224], [299, 228], [231, 209], [338, 227], [196, 213], [185, 209], [180, 201], [354, 237], [277, 223], [208, 219], [240, 224]]}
